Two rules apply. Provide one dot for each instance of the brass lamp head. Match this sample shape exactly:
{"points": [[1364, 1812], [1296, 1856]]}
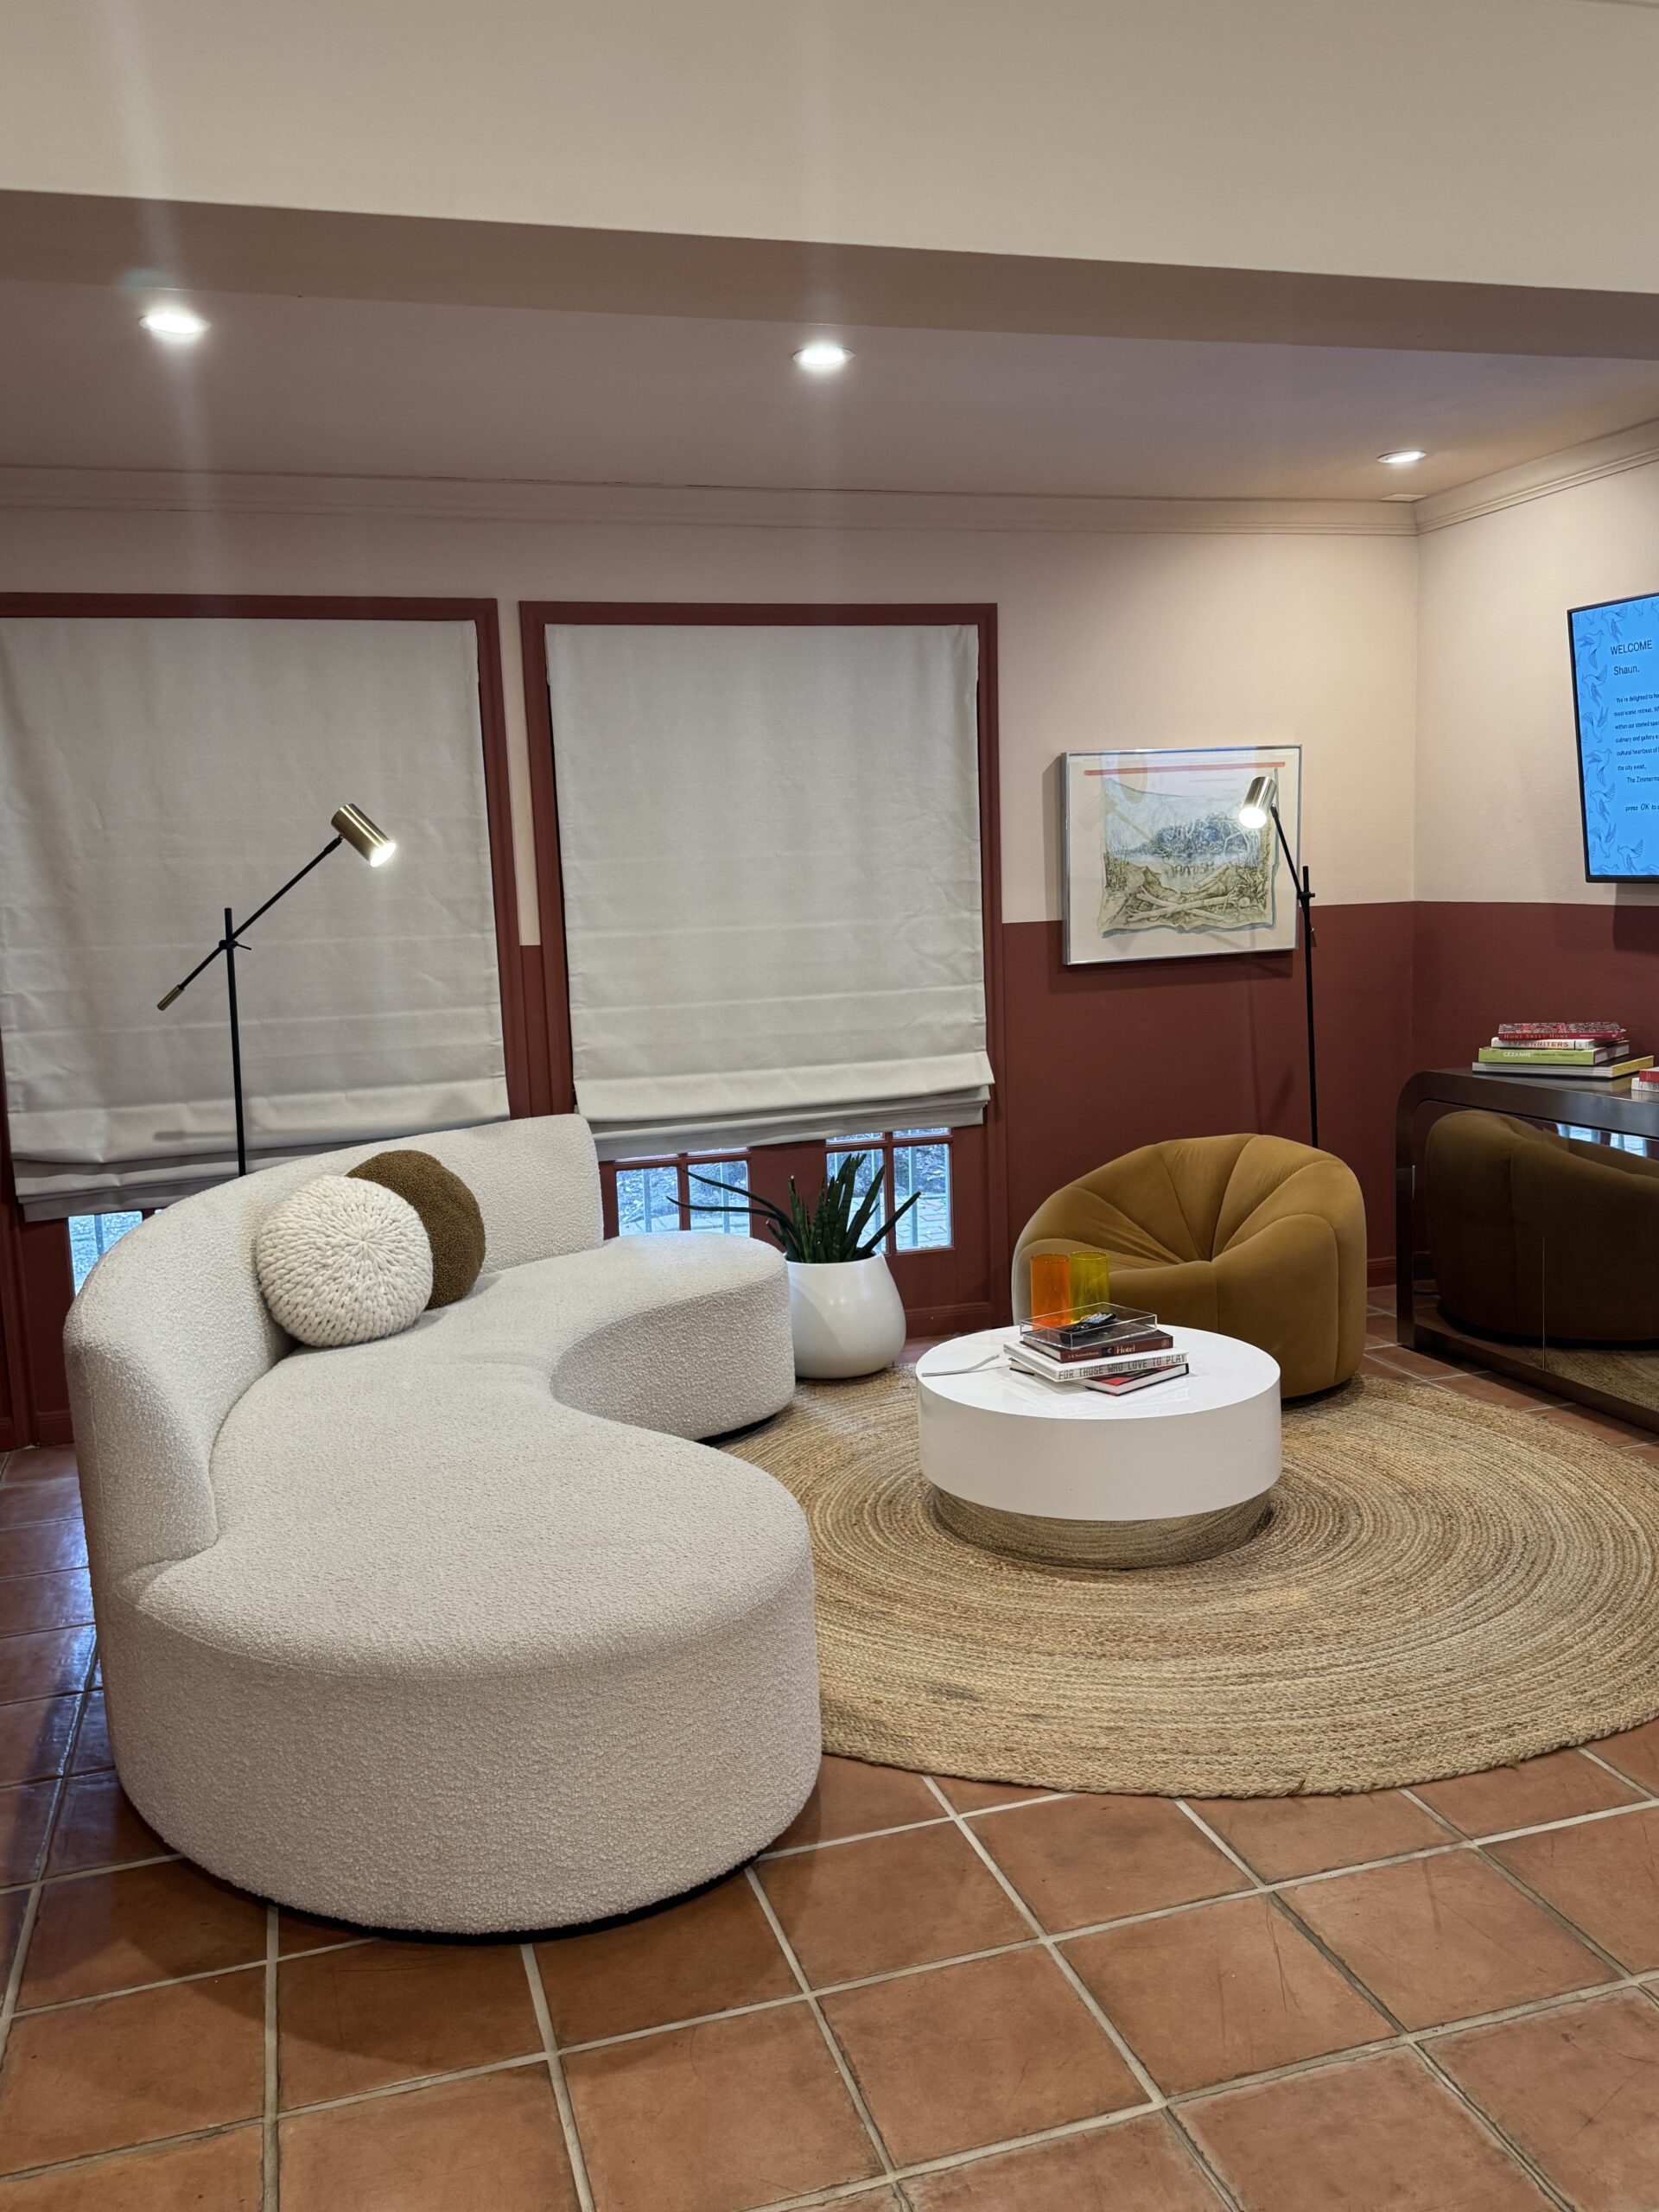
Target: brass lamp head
{"points": [[364, 837], [1258, 804]]}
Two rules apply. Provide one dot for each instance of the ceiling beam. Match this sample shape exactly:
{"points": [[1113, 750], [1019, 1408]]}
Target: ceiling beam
{"points": [[200, 246]]}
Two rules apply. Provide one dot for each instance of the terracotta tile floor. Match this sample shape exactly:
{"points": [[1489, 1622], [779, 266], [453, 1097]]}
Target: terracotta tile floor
{"points": [[931, 1996]]}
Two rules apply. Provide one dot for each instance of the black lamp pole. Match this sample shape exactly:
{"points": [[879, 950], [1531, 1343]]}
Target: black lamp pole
{"points": [[1304, 891], [350, 822]]}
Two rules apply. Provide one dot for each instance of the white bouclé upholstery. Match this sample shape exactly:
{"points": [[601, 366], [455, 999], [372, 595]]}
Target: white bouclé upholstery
{"points": [[458, 1629], [342, 1262]]}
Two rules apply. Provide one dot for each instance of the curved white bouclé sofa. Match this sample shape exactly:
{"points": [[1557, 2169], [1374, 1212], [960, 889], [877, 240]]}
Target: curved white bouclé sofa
{"points": [[455, 1631]]}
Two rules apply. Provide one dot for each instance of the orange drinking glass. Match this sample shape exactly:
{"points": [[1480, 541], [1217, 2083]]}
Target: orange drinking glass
{"points": [[1051, 1288]]}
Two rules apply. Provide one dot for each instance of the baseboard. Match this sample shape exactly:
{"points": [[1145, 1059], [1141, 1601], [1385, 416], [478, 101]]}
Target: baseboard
{"points": [[1379, 1267], [946, 1320], [50, 1429]]}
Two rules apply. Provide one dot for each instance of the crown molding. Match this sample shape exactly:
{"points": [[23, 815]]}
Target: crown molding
{"points": [[454, 500], [1636, 447]]}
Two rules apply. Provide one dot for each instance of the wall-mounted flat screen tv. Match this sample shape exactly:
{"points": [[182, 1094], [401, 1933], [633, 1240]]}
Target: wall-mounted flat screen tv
{"points": [[1616, 696]]}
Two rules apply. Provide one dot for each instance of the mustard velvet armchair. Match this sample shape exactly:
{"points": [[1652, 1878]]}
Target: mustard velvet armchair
{"points": [[1253, 1236]]}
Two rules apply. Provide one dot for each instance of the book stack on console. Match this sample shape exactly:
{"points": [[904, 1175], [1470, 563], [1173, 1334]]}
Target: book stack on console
{"points": [[1580, 1052], [1117, 1350]]}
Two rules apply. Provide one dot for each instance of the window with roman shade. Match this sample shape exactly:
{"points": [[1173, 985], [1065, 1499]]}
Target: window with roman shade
{"points": [[155, 769], [769, 846]]}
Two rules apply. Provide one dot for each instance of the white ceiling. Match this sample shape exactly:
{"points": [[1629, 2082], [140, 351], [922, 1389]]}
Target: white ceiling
{"points": [[376, 389]]}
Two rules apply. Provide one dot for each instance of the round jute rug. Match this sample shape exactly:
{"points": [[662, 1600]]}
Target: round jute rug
{"points": [[1442, 1586]]}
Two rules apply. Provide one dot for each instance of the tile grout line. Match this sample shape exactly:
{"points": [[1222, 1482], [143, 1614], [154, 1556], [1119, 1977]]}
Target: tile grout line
{"points": [[843, 2067], [1150, 2087], [1643, 1984], [90, 1873], [1255, 1885], [1454, 1843], [1414, 2039], [84, 2160], [271, 2186], [800, 1996], [31, 1910], [1642, 1804], [1158, 2100], [521, 2061], [1630, 1980], [908, 1828], [1038, 1795], [1536, 1897], [575, 2157], [231, 2126], [142, 1988], [1409, 2039], [1586, 1750], [1516, 2150], [674, 2027], [955, 2161], [835, 1842]]}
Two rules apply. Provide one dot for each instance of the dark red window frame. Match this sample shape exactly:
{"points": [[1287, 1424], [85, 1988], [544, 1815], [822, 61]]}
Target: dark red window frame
{"points": [[962, 1286], [36, 1284]]}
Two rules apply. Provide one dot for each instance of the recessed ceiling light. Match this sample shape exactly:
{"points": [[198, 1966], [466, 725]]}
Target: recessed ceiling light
{"points": [[823, 358], [1404, 459], [175, 325]]}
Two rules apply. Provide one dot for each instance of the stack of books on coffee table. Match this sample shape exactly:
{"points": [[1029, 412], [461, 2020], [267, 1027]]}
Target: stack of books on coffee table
{"points": [[1117, 1350]]}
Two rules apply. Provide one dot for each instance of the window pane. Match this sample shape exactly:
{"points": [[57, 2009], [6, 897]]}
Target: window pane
{"points": [[1617, 1139], [869, 1163], [926, 1168], [647, 1201], [726, 1220], [90, 1236]]}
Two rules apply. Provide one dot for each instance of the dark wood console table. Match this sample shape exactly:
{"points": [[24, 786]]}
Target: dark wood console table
{"points": [[1601, 1106]]}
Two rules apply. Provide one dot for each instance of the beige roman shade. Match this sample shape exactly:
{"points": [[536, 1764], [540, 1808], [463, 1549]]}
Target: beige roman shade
{"points": [[153, 771], [769, 845]]}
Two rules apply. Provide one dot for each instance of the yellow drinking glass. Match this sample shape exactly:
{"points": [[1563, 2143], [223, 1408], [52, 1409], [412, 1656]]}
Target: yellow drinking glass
{"points": [[1091, 1284]]}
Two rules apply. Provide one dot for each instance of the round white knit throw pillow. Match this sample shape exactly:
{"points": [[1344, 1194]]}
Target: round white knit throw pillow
{"points": [[343, 1261]]}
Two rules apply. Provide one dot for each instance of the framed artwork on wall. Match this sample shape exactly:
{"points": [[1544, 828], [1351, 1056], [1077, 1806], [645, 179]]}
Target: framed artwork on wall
{"points": [[1156, 864]]}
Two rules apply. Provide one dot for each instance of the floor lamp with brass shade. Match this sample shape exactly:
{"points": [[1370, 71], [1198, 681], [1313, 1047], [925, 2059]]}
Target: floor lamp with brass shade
{"points": [[1260, 804], [351, 827]]}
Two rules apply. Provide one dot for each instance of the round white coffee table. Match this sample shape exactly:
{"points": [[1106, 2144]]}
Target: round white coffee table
{"points": [[1167, 1475]]}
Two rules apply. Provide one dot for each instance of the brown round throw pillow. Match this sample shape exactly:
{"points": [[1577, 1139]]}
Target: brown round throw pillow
{"points": [[448, 1213]]}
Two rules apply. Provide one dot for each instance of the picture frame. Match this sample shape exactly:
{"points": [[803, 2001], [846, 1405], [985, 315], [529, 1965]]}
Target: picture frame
{"points": [[1155, 864]]}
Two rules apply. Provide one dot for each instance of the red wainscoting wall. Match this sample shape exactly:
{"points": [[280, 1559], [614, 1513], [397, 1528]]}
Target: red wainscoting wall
{"points": [[1476, 964], [1100, 1060], [1097, 1060]]}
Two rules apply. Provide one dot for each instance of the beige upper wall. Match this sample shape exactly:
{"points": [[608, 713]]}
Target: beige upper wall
{"points": [[1479, 141], [1106, 640], [1498, 792]]}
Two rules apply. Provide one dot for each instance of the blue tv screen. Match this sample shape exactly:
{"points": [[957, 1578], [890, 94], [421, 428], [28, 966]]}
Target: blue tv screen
{"points": [[1616, 696]]}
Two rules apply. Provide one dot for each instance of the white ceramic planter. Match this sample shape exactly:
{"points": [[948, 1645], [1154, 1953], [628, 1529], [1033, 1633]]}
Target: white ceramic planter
{"points": [[846, 1317]]}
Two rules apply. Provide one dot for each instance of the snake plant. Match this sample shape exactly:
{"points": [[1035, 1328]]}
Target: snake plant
{"points": [[836, 1228]]}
